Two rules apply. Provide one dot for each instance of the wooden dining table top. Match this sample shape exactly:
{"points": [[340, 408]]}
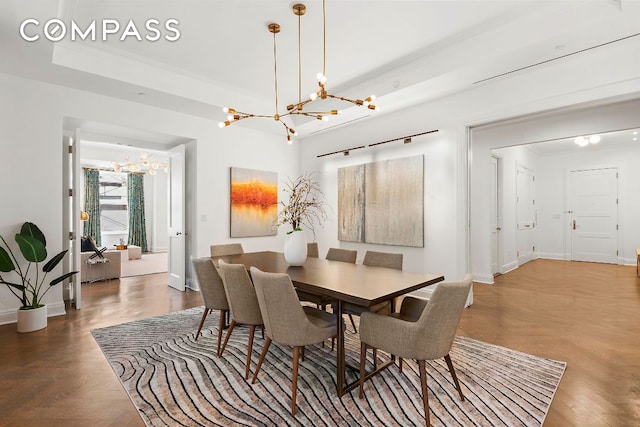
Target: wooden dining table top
{"points": [[354, 283]]}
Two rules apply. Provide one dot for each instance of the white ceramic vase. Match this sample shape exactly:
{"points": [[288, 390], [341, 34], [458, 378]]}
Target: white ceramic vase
{"points": [[32, 320], [295, 248]]}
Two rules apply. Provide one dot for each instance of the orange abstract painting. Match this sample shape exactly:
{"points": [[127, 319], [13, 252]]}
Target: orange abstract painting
{"points": [[254, 202]]}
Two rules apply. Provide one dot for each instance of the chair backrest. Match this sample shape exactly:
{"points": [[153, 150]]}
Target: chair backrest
{"points": [[344, 255], [383, 259], [312, 250], [211, 287], [240, 292], [228, 249], [283, 315], [440, 318]]}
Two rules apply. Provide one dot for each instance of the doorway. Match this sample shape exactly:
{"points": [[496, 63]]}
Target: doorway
{"points": [[110, 147]]}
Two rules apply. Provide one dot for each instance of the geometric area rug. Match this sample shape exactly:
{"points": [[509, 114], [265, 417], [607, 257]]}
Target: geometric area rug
{"points": [[174, 380]]}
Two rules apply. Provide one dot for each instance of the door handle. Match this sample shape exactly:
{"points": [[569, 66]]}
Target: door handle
{"points": [[574, 224], [178, 233], [498, 228]]}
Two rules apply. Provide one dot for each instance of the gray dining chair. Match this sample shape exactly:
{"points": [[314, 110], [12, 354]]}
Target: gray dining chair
{"points": [[227, 249], [213, 295], [374, 259], [333, 254], [287, 322], [243, 304], [312, 250], [422, 330]]}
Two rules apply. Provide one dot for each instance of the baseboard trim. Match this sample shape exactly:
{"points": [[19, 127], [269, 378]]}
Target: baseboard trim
{"points": [[11, 315], [483, 278], [192, 284], [509, 267], [552, 255]]}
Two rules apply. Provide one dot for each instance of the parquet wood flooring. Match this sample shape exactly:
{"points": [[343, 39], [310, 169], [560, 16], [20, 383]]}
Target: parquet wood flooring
{"points": [[585, 314]]}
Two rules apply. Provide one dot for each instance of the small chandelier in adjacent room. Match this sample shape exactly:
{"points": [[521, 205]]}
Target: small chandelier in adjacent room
{"points": [[299, 108], [583, 141], [142, 164]]}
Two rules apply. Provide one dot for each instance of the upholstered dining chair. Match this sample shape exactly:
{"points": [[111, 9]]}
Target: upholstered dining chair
{"points": [[212, 291], [243, 304], [287, 322], [333, 254], [227, 249], [422, 330], [312, 250], [374, 259]]}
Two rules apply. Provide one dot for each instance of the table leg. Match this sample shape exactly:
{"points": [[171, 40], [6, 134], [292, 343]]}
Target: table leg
{"points": [[340, 358]]}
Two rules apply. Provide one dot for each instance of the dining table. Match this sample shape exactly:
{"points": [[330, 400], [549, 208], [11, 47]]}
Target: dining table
{"points": [[346, 283]]}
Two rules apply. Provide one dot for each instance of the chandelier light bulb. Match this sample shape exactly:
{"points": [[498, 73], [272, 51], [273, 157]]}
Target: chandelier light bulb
{"points": [[230, 117], [594, 139], [313, 96], [228, 110], [325, 118], [152, 171], [155, 165], [220, 125]]}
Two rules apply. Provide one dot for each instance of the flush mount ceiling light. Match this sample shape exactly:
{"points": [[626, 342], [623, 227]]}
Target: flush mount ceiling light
{"points": [[301, 107], [583, 141], [142, 164]]}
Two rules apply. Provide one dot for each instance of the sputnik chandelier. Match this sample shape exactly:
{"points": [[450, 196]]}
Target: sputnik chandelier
{"points": [[142, 164], [301, 107]]}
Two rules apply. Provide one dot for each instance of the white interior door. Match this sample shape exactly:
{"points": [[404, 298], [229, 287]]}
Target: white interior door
{"points": [[176, 267], [495, 217], [525, 214], [594, 218]]}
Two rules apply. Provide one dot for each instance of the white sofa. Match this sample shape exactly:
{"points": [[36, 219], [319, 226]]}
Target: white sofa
{"points": [[92, 270]]}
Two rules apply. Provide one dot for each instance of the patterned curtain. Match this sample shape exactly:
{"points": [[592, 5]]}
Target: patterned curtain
{"points": [[137, 228], [91, 226]]}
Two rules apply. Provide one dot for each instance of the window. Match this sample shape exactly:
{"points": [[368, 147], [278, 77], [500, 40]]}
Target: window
{"points": [[114, 213]]}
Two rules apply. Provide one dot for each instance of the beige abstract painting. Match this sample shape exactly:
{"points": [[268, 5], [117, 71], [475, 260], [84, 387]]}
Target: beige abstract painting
{"points": [[382, 202], [351, 203]]}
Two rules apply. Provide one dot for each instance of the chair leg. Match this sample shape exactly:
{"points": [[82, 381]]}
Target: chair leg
{"points": [[353, 323], [294, 379], [363, 360], [400, 364], [204, 316], [302, 352], [375, 359], [265, 349], [262, 331], [226, 338], [221, 325], [252, 330], [425, 391], [447, 359]]}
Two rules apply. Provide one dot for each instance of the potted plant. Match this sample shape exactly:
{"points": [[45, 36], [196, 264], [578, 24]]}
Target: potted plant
{"points": [[305, 208], [27, 283]]}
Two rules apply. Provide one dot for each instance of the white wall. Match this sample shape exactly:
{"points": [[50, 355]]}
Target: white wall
{"points": [[441, 250], [32, 125]]}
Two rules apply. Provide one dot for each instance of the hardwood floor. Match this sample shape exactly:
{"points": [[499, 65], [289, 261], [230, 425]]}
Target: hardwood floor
{"points": [[585, 314]]}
